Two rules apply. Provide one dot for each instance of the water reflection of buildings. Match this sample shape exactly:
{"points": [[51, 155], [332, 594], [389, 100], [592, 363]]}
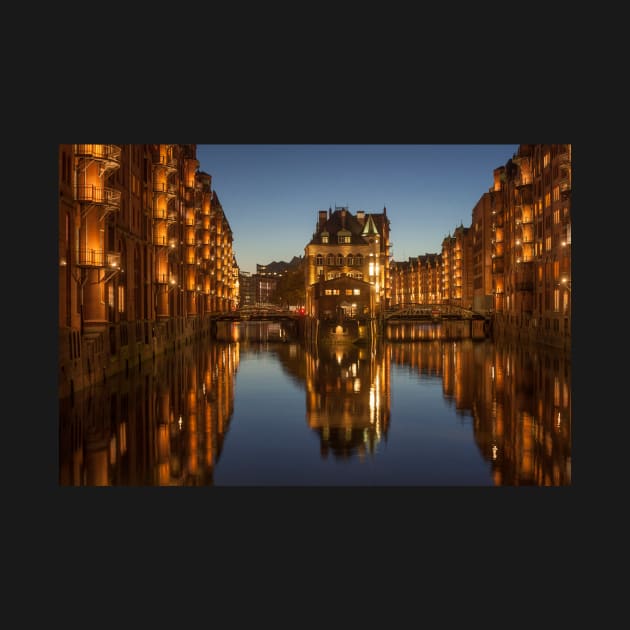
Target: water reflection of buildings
{"points": [[348, 398], [520, 399], [161, 425]]}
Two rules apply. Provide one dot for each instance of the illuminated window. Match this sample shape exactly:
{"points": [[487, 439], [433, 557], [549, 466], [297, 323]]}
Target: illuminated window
{"points": [[556, 216], [556, 193], [348, 291], [547, 200], [371, 269], [344, 239], [325, 238], [546, 160], [121, 299], [356, 291], [548, 244], [556, 300]]}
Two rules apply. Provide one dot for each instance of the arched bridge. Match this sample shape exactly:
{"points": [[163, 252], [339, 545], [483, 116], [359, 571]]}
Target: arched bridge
{"points": [[430, 312]]}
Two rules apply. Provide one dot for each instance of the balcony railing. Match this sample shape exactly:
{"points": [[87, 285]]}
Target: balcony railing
{"points": [[521, 182], [166, 278], [168, 162], [101, 195], [107, 152], [163, 187], [98, 258]]}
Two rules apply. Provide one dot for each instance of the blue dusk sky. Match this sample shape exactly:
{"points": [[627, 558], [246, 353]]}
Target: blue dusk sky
{"points": [[271, 193]]}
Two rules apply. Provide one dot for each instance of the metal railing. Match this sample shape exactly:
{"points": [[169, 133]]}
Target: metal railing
{"points": [[109, 152], [98, 258], [98, 195]]}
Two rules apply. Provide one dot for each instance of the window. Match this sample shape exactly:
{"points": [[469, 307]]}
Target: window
{"points": [[330, 259], [356, 291], [350, 259], [324, 238], [319, 260], [339, 259], [548, 244], [341, 238], [556, 193]]}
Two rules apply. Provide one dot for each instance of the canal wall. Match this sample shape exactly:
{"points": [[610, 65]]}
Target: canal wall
{"points": [[440, 329], [101, 352], [529, 333]]}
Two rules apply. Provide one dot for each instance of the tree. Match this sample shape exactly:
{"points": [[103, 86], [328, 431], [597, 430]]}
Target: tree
{"points": [[290, 289]]}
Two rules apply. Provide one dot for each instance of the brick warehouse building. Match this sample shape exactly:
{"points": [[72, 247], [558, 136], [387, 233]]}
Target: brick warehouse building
{"points": [[514, 262], [145, 254]]}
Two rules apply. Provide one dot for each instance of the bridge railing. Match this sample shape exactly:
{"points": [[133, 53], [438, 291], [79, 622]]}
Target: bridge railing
{"points": [[433, 311]]}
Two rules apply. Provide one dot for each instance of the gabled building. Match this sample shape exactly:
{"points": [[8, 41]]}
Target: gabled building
{"points": [[352, 248]]}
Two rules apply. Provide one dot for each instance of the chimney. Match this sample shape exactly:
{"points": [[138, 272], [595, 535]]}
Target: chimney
{"points": [[322, 220], [343, 218]]}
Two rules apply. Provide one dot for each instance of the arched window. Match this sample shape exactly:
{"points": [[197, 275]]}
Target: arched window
{"points": [[319, 259], [358, 260], [339, 259], [330, 259], [350, 260]]}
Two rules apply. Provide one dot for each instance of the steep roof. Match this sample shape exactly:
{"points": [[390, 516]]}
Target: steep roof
{"points": [[344, 222]]}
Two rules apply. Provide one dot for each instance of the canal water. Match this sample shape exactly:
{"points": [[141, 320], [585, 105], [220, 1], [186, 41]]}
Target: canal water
{"points": [[266, 410]]}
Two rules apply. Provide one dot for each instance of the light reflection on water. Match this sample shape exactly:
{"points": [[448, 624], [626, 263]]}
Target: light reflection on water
{"points": [[257, 413]]}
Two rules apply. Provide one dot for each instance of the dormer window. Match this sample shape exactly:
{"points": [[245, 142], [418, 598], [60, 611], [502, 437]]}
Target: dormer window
{"points": [[344, 237], [324, 236]]}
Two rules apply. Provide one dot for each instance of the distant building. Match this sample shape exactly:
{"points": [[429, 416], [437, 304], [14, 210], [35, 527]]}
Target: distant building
{"points": [[265, 280], [484, 235], [247, 289], [417, 280], [457, 268]]}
